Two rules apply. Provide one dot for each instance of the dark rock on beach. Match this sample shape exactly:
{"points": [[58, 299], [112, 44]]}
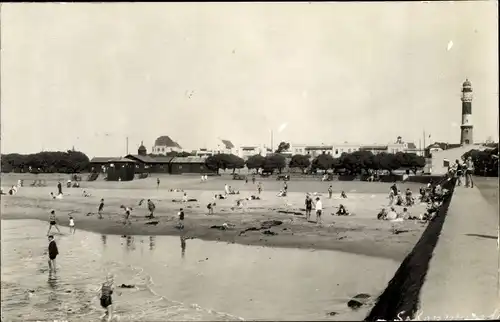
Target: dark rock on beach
{"points": [[270, 223], [126, 286], [358, 301]]}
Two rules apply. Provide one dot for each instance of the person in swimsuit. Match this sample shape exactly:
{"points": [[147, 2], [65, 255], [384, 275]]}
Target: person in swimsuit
{"points": [[106, 292], [259, 187], [157, 183], [319, 209], [308, 204], [343, 195], [59, 188], [52, 222], [71, 225], [101, 208], [53, 252], [330, 192], [151, 208]]}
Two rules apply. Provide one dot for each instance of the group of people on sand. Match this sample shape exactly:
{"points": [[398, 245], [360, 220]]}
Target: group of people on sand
{"points": [[14, 189], [433, 195]]}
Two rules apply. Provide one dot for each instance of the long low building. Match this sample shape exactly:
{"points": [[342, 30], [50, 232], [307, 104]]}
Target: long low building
{"points": [[159, 164]]}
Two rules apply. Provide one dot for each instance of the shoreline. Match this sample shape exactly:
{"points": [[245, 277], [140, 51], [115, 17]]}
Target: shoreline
{"points": [[360, 234], [283, 239]]}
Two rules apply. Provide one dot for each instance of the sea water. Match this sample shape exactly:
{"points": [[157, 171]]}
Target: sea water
{"points": [[178, 279]]}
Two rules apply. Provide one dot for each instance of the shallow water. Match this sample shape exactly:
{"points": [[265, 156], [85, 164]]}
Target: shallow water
{"points": [[195, 280]]}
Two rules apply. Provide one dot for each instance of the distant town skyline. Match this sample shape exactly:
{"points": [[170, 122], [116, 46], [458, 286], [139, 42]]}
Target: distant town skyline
{"points": [[89, 75]]}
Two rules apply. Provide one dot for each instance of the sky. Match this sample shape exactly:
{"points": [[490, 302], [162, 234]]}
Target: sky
{"points": [[90, 75]]}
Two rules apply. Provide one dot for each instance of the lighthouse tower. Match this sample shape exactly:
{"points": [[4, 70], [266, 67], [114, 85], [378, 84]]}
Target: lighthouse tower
{"points": [[466, 127]]}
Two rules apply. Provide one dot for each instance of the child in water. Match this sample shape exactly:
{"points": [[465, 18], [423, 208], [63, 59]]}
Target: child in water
{"points": [[106, 291]]}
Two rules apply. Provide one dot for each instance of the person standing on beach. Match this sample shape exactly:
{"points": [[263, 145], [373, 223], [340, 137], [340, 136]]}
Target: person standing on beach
{"points": [[100, 209], [285, 186], [71, 225], [259, 187], [151, 208], [53, 222], [59, 188], [157, 183], [319, 209], [127, 215], [253, 179], [330, 192], [308, 204], [53, 252]]}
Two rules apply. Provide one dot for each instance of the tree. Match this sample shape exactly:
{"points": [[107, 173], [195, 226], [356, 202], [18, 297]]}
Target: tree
{"points": [[273, 162], [411, 161], [300, 161], [62, 162], [255, 162], [323, 162], [387, 161], [235, 162], [485, 162], [283, 147]]}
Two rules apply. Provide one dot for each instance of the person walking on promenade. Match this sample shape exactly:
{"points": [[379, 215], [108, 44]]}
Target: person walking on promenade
{"points": [[468, 173]]}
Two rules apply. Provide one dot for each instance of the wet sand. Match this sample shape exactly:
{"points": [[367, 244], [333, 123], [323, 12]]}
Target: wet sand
{"points": [[360, 234]]}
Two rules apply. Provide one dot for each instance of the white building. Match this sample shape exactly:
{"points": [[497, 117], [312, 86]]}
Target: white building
{"points": [[218, 146], [247, 151], [164, 144], [345, 147]]}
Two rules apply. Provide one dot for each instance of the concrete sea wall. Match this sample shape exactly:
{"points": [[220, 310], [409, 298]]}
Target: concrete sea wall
{"points": [[400, 300]]}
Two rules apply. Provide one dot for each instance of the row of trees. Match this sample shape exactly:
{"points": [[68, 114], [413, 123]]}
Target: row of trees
{"points": [[485, 162], [352, 163], [50, 162]]}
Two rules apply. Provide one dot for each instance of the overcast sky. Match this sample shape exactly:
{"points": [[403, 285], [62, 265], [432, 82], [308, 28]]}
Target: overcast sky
{"points": [[92, 74]]}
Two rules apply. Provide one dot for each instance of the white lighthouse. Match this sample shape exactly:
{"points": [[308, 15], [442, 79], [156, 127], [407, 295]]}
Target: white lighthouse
{"points": [[466, 127]]}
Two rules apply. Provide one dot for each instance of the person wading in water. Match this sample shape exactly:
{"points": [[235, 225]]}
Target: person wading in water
{"points": [[53, 252], [308, 204], [100, 209], [106, 291]]}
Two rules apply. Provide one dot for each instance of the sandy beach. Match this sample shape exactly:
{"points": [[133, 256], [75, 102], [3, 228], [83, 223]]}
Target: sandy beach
{"points": [[360, 233]]}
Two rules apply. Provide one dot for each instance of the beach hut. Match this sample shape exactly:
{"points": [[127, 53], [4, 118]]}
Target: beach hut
{"points": [[120, 169], [195, 165]]}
